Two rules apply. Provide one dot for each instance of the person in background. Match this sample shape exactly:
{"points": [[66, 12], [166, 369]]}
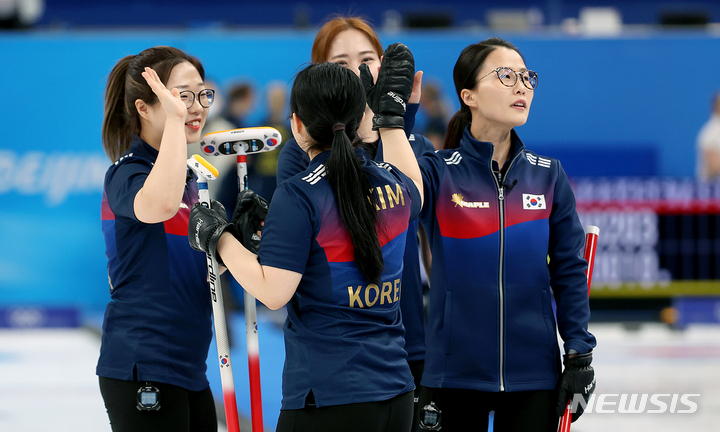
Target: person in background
{"points": [[225, 188], [158, 326], [215, 121], [262, 169], [432, 105], [277, 106], [332, 249], [351, 42], [240, 99], [20, 14], [708, 145], [505, 239]]}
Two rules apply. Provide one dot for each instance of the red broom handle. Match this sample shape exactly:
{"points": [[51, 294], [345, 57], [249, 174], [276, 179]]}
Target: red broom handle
{"points": [[591, 236]]}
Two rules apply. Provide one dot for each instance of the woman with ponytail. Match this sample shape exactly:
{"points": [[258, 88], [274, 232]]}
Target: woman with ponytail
{"points": [[332, 249], [350, 41], [495, 213], [157, 326]]}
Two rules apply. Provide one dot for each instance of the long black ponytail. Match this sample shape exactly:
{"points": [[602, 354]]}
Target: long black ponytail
{"points": [[330, 101]]}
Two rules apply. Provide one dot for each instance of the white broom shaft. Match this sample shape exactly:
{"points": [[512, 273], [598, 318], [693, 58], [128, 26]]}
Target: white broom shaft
{"points": [[221, 335]]}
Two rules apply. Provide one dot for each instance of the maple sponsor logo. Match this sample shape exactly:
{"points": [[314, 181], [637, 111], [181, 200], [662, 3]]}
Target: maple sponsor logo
{"points": [[458, 200]]}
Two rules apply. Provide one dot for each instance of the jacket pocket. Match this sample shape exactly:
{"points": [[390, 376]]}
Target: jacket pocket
{"points": [[549, 318]]}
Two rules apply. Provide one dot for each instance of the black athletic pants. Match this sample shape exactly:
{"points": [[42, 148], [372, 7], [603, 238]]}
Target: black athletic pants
{"points": [[394, 415], [416, 368], [180, 410], [466, 410]]}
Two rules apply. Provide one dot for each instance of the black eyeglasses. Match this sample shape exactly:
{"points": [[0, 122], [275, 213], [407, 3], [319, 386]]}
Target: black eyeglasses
{"points": [[204, 97], [509, 77]]}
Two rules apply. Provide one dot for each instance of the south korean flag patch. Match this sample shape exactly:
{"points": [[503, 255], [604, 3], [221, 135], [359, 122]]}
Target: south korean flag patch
{"points": [[534, 202]]}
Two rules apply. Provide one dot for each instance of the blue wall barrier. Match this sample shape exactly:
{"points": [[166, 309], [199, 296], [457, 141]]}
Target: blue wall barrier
{"points": [[613, 106]]}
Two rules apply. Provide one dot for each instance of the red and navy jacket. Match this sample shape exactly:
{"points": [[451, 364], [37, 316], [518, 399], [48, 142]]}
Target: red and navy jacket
{"points": [[503, 246], [157, 325], [293, 160], [343, 334]]}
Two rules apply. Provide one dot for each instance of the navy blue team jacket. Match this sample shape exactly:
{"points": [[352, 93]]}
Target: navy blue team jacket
{"points": [[293, 160], [158, 324], [343, 335], [491, 325]]}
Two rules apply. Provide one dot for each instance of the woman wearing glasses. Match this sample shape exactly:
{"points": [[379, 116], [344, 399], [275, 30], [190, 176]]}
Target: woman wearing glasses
{"points": [[157, 326], [494, 212]]}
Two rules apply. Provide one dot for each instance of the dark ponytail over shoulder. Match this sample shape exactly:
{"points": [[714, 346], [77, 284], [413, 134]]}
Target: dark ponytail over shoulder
{"points": [[459, 121], [351, 185], [116, 129], [323, 96]]}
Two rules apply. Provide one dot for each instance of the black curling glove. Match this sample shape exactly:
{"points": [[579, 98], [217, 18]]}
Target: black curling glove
{"points": [[388, 97], [205, 227], [577, 378], [250, 212]]}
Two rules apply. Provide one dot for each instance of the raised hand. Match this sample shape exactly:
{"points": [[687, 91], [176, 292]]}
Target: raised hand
{"points": [[417, 88], [170, 99], [388, 97]]}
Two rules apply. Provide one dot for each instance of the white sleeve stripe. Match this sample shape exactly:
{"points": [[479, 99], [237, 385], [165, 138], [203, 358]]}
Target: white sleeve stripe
{"points": [[454, 159], [316, 175], [538, 161]]}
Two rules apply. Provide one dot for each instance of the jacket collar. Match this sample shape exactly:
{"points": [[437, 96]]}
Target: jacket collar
{"points": [[324, 156], [483, 150], [139, 143]]}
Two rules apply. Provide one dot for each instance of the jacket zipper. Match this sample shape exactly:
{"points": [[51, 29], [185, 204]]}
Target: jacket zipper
{"points": [[501, 270]]}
